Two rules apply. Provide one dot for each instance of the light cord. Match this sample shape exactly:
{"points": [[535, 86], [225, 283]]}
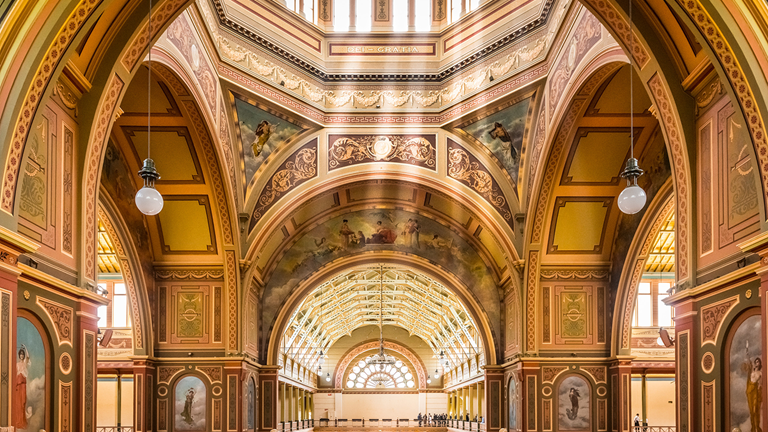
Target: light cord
{"points": [[149, 79], [631, 86]]}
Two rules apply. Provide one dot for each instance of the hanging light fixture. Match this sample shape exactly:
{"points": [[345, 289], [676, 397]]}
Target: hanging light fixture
{"points": [[319, 371], [148, 199], [381, 359], [632, 198], [328, 377], [437, 374]]}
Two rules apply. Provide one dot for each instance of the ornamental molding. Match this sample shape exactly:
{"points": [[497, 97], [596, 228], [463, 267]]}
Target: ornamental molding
{"points": [[219, 18], [571, 274], [347, 150], [61, 316], [712, 318], [550, 373], [185, 274]]}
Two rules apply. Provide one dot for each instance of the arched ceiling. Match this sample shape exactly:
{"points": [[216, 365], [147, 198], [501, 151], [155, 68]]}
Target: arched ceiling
{"points": [[401, 297]]}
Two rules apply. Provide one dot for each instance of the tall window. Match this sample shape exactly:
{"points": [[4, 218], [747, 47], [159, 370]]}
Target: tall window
{"points": [[423, 15], [341, 15], [117, 314], [363, 15], [455, 7], [400, 15], [650, 310]]}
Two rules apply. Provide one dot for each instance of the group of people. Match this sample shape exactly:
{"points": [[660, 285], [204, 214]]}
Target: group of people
{"points": [[441, 420]]}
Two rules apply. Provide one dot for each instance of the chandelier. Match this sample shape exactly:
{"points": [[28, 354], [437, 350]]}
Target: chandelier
{"points": [[381, 359]]}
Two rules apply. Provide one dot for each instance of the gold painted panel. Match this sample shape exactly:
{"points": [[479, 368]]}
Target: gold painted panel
{"points": [[186, 225], [579, 224]]}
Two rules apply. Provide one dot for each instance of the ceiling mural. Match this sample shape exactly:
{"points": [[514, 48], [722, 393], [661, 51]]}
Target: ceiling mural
{"points": [[377, 230], [502, 132], [261, 131]]}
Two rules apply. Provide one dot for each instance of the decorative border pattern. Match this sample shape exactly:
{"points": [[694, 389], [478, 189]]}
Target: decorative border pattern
{"points": [[712, 318], [347, 150], [232, 290], [680, 169], [35, 95], [468, 170], [94, 162], [549, 374], [185, 274], [531, 283], [629, 306], [61, 316], [162, 14], [619, 25]]}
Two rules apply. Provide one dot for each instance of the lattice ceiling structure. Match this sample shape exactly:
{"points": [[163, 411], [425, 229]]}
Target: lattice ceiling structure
{"points": [[662, 256], [108, 262], [410, 300]]}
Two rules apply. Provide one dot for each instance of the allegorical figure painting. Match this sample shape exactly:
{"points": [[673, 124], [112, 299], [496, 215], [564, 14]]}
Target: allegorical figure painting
{"points": [[190, 404], [250, 394], [513, 401], [502, 133], [573, 401], [261, 133], [746, 377], [29, 388]]}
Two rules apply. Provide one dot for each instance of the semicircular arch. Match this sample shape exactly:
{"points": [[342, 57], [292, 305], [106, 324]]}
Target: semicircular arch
{"points": [[356, 351]]}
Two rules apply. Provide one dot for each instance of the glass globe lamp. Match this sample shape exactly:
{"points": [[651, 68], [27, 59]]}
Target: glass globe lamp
{"points": [[148, 199], [632, 199]]}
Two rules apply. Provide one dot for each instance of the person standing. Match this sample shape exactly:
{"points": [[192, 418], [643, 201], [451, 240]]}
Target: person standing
{"points": [[637, 421]]}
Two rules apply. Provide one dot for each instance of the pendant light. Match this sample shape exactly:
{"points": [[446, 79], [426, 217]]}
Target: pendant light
{"points": [[380, 360], [148, 199], [632, 198]]}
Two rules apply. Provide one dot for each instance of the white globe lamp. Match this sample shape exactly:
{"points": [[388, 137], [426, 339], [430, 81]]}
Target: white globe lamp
{"points": [[148, 199]]}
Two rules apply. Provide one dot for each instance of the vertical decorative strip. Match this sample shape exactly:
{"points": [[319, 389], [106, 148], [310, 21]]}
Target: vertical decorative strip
{"points": [[708, 405], [601, 314], [217, 314], [138, 395], [533, 272], [626, 395], [65, 407], [149, 396], [232, 401], [705, 186], [495, 406], [545, 304], [5, 364], [602, 423], [530, 400], [89, 380], [68, 180], [684, 385], [267, 420], [546, 414], [161, 322], [217, 414], [614, 402], [232, 290], [162, 415]]}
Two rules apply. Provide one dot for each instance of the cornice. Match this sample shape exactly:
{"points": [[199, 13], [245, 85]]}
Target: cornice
{"points": [[320, 74]]}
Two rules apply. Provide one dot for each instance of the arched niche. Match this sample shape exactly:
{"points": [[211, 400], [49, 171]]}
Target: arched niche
{"points": [[33, 376], [743, 370], [574, 403], [190, 401]]}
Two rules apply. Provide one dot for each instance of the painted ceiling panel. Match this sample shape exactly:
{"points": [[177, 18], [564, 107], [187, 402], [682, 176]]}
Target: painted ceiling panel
{"points": [[377, 192], [136, 103], [579, 225], [185, 225], [598, 157], [608, 103], [172, 149], [502, 133]]}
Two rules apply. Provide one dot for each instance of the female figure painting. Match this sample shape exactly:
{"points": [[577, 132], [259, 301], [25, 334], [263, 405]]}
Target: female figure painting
{"points": [[746, 376], [29, 387], [190, 404], [573, 400]]}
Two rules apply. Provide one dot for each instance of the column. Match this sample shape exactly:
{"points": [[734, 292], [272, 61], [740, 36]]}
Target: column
{"points": [[480, 395], [620, 373], [494, 391], [143, 374], [645, 399], [472, 402], [281, 401], [268, 385]]}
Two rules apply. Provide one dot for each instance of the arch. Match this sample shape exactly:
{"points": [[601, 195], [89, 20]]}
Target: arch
{"points": [[354, 352], [181, 386], [574, 391], [740, 358], [658, 211], [513, 404], [28, 373], [250, 402], [133, 274], [417, 264]]}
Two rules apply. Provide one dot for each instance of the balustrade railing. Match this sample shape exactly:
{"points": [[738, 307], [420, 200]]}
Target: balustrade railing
{"points": [[654, 429], [114, 428]]}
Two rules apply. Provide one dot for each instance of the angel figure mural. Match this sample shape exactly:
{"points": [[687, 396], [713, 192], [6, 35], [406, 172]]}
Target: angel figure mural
{"points": [[754, 373], [574, 396], [187, 413], [20, 410], [263, 132]]}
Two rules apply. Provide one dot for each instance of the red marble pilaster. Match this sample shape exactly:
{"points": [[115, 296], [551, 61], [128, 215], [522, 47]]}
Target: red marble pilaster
{"points": [[619, 389], [267, 398], [144, 380], [494, 398]]}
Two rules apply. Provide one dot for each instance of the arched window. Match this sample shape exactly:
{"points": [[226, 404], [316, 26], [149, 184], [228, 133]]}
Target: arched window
{"points": [[341, 15], [400, 15], [363, 15], [394, 376], [423, 15]]}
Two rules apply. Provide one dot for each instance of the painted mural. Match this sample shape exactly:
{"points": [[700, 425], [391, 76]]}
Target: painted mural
{"points": [[261, 133], [190, 401], [513, 402], [380, 230], [502, 133], [573, 401], [746, 391], [250, 405], [29, 389]]}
